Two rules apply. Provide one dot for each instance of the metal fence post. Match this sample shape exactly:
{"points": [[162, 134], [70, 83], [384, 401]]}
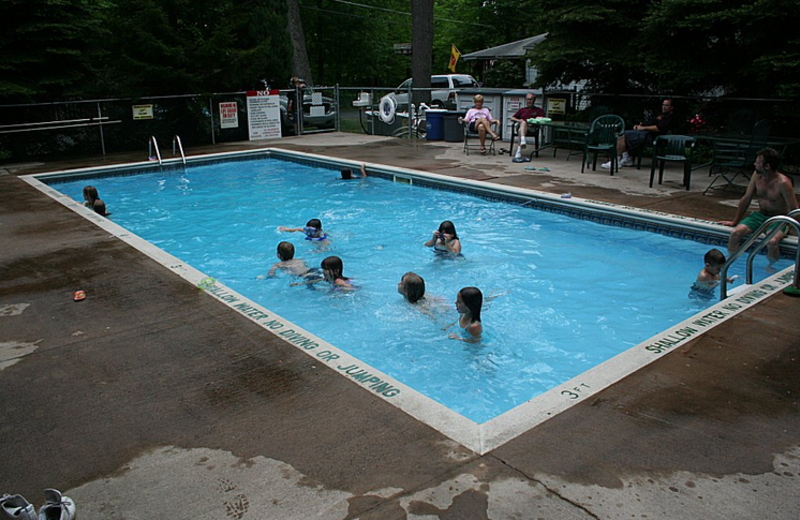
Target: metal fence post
{"points": [[211, 112], [100, 120], [338, 106]]}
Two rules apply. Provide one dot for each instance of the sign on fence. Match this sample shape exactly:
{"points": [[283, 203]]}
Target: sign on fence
{"points": [[142, 111], [263, 114], [228, 115]]}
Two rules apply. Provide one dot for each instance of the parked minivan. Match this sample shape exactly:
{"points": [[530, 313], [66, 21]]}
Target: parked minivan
{"points": [[445, 94]]}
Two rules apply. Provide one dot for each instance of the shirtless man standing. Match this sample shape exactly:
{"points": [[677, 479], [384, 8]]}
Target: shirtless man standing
{"points": [[775, 195]]}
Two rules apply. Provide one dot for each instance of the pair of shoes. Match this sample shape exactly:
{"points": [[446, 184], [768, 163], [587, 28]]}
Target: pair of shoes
{"points": [[517, 160], [56, 507], [626, 162], [606, 165]]}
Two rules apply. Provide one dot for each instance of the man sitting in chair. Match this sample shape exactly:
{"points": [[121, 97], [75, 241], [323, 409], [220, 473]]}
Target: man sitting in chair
{"points": [[529, 111], [480, 121], [635, 138]]}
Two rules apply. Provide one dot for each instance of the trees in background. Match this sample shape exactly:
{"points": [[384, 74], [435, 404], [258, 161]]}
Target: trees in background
{"points": [[743, 47], [68, 49]]}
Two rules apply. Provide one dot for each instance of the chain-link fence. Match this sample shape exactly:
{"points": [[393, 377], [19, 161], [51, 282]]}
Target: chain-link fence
{"points": [[106, 126]]}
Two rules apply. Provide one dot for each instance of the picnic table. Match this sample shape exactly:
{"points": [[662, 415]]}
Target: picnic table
{"points": [[559, 134]]}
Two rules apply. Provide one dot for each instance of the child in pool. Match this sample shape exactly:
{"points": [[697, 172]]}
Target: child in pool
{"points": [[313, 230], [468, 305], [332, 268], [288, 262], [347, 173], [708, 278], [92, 200], [412, 287], [445, 239]]}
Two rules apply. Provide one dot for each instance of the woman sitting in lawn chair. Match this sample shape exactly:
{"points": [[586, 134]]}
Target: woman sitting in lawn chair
{"points": [[480, 121]]}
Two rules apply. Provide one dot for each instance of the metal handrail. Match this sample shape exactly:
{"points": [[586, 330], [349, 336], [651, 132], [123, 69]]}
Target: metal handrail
{"points": [[153, 143], [786, 219], [177, 139]]}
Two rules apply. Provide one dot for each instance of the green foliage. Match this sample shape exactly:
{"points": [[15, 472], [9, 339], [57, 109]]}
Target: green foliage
{"points": [[47, 48]]}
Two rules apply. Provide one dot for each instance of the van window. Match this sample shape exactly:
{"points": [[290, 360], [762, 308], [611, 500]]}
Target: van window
{"points": [[404, 85], [439, 82]]}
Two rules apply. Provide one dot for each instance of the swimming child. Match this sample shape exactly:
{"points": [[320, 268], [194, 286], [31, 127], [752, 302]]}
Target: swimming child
{"points": [[468, 305], [332, 268], [313, 230], [412, 287], [347, 173], [708, 278], [445, 239], [288, 262], [92, 200]]}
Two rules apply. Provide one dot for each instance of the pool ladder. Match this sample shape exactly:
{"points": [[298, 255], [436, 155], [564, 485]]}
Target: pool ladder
{"points": [[786, 219], [177, 146], [151, 144], [176, 140]]}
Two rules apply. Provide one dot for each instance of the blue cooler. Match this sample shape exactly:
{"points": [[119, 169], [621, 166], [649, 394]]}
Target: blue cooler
{"points": [[435, 123]]}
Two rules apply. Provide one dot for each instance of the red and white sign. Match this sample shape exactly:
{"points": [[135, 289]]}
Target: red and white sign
{"points": [[228, 115], [263, 114]]}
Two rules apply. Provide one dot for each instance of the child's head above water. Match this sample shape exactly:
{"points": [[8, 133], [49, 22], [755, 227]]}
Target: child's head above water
{"points": [[347, 174], [412, 286], [448, 228], [313, 228], [332, 268], [472, 299], [90, 194], [714, 260], [285, 251]]}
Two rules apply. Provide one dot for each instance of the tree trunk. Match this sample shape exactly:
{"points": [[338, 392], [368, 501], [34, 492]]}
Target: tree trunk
{"points": [[300, 65], [421, 48]]}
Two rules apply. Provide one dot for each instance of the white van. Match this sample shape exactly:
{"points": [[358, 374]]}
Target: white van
{"points": [[445, 94]]}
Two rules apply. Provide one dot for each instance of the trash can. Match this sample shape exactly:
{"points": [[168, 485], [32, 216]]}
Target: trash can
{"points": [[453, 130], [435, 123]]}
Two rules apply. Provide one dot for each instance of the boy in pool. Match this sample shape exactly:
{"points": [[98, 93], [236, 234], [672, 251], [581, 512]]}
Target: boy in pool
{"points": [[347, 173], [708, 278], [445, 239], [412, 287], [288, 262], [313, 231], [468, 305]]}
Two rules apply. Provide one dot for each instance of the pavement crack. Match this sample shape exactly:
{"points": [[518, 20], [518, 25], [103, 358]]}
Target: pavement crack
{"points": [[546, 487]]}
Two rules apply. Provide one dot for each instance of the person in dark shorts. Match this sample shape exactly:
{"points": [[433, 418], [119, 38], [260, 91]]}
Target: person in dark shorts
{"points": [[641, 133]]}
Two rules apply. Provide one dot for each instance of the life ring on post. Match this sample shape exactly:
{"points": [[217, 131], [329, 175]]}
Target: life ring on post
{"points": [[387, 108]]}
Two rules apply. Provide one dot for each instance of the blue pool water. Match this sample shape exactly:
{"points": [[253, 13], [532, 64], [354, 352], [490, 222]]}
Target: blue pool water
{"points": [[577, 293]]}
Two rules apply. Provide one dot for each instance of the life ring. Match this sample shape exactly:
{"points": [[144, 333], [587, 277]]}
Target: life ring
{"points": [[387, 108]]}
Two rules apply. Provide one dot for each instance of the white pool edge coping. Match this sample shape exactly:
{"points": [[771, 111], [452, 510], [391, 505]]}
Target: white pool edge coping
{"points": [[480, 438]]}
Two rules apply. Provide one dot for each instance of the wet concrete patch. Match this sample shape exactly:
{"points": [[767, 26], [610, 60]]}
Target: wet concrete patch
{"points": [[12, 352]]}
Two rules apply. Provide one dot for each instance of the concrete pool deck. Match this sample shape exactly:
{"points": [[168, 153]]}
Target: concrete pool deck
{"points": [[152, 400]]}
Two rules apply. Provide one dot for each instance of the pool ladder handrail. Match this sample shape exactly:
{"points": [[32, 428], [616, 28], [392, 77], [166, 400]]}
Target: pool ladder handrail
{"points": [[786, 219], [153, 143], [177, 139]]}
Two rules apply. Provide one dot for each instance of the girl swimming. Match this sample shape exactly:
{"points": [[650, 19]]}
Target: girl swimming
{"points": [[445, 239], [332, 268], [468, 305]]}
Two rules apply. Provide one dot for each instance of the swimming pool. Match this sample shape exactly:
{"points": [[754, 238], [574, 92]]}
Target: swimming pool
{"points": [[507, 247]]}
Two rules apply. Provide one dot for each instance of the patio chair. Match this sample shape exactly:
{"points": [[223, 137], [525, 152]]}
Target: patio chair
{"points": [[735, 157], [472, 140], [602, 137], [672, 148], [533, 131]]}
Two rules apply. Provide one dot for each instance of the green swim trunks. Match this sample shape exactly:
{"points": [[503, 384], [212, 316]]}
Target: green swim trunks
{"points": [[755, 219]]}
